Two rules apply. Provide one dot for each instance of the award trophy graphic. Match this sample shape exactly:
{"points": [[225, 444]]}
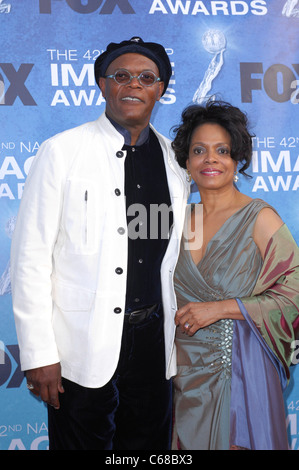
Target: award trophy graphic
{"points": [[214, 42], [4, 7], [289, 9]]}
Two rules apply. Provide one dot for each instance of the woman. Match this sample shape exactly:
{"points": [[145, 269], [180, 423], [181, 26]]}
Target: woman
{"points": [[237, 293]]}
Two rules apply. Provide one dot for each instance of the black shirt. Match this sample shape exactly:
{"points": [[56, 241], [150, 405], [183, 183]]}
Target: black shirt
{"points": [[149, 219]]}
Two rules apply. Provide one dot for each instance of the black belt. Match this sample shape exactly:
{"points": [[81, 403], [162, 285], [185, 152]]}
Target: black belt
{"points": [[138, 316]]}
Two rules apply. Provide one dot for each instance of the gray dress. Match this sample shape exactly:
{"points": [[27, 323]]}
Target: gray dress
{"points": [[229, 269]]}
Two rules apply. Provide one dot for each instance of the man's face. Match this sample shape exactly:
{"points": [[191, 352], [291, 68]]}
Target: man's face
{"points": [[131, 105]]}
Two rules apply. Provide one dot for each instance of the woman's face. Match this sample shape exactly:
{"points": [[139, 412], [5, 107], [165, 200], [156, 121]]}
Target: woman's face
{"points": [[210, 162]]}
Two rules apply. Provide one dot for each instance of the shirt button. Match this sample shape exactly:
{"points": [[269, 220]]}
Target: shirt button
{"points": [[119, 271], [117, 192], [119, 154], [138, 186], [117, 310], [136, 300], [121, 230], [140, 260]]}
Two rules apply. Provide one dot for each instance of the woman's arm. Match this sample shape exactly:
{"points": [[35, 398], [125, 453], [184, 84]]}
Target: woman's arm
{"points": [[267, 223], [195, 315]]}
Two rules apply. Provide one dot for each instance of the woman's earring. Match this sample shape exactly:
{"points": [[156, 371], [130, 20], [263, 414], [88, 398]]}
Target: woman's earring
{"points": [[188, 177], [236, 177]]}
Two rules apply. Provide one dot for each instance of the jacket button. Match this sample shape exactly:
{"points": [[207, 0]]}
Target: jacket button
{"points": [[119, 154], [117, 310], [117, 192], [119, 271]]}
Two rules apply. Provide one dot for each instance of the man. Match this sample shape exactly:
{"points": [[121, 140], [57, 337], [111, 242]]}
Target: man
{"points": [[95, 328]]}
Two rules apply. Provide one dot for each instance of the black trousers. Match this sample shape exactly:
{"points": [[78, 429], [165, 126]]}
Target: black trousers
{"points": [[132, 411]]}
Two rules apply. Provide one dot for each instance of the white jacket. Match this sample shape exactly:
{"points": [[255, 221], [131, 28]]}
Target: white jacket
{"points": [[70, 236]]}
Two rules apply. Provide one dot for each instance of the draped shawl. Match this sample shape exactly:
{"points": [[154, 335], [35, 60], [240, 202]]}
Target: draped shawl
{"points": [[263, 345]]}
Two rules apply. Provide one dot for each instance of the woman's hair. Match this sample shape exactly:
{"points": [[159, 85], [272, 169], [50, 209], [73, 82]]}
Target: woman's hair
{"points": [[232, 119]]}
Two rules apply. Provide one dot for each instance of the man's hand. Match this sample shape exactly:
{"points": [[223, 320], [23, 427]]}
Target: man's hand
{"points": [[46, 383]]}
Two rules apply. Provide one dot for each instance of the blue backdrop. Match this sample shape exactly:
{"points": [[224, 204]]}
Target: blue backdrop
{"points": [[245, 52]]}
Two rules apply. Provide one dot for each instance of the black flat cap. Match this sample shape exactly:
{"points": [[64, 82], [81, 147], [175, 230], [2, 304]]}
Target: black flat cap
{"points": [[152, 50]]}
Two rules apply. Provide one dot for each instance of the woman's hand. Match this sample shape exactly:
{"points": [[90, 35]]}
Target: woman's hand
{"points": [[195, 315]]}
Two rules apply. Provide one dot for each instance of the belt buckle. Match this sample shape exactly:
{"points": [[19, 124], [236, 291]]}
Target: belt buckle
{"points": [[136, 312], [134, 317]]}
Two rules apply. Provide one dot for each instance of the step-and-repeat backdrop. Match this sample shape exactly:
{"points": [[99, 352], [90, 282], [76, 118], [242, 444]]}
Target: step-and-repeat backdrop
{"points": [[244, 52]]}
